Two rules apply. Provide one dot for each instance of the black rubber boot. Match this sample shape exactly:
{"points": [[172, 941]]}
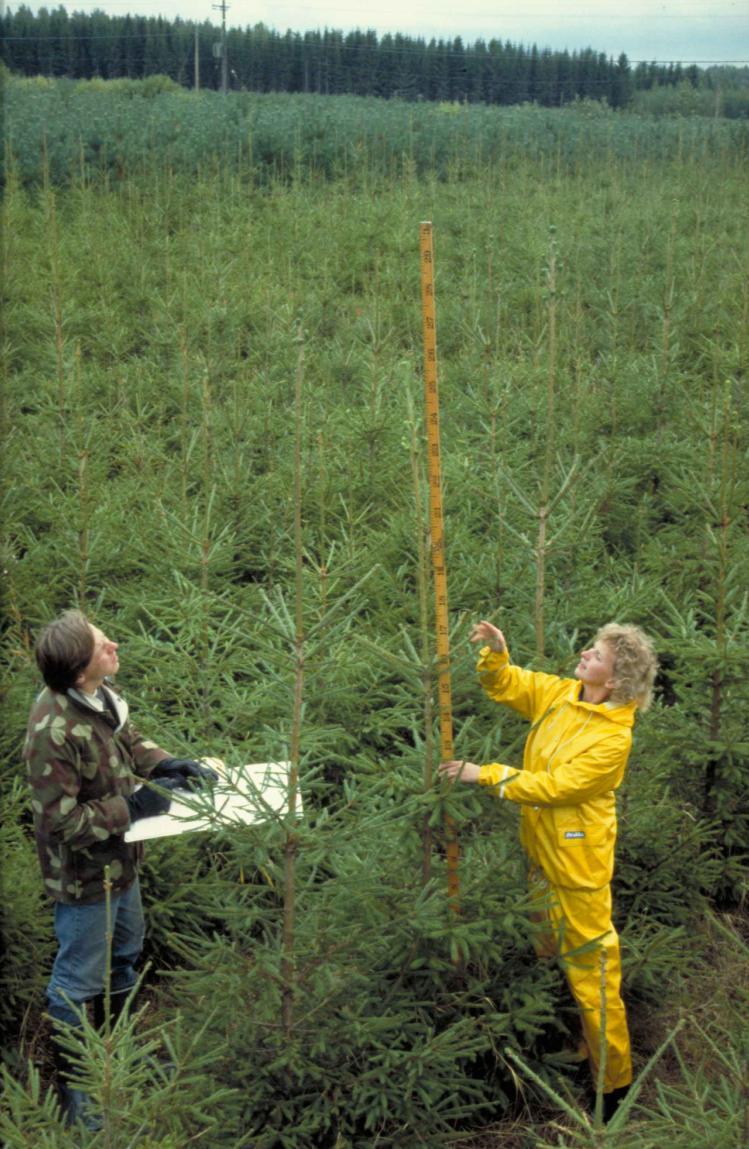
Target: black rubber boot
{"points": [[75, 1103], [118, 1004], [612, 1101]]}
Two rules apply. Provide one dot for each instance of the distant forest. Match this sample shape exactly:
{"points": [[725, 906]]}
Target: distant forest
{"points": [[260, 59]]}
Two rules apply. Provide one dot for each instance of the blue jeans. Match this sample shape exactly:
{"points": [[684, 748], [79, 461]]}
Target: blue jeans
{"points": [[79, 970]]}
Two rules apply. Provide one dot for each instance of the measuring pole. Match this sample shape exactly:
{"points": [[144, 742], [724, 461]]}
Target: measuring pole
{"points": [[437, 532]]}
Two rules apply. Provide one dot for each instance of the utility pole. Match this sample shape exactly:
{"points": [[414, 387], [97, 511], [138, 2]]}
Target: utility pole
{"points": [[197, 60], [222, 8]]}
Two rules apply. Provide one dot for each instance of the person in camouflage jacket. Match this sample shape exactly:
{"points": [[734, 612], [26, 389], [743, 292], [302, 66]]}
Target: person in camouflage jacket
{"points": [[86, 764], [84, 759]]}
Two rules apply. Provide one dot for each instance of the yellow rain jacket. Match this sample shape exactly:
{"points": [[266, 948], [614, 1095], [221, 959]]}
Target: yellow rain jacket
{"points": [[575, 758]]}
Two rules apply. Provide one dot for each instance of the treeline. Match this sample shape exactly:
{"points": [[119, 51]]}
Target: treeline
{"points": [[260, 59]]}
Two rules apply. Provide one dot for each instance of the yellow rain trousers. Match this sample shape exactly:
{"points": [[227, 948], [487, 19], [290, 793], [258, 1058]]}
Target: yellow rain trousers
{"points": [[574, 759]]}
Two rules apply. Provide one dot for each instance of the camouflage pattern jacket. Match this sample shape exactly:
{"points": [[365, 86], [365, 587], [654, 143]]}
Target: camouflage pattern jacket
{"points": [[83, 754]]}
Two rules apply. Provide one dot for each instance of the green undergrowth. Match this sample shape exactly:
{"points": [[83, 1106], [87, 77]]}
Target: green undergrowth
{"points": [[213, 441], [694, 1096], [120, 129]]}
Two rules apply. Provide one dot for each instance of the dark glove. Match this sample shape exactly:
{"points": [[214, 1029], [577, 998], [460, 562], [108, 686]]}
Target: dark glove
{"points": [[146, 803], [191, 774]]}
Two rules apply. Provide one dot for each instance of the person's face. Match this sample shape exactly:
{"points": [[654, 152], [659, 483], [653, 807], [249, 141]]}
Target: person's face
{"points": [[596, 666], [103, 661]]}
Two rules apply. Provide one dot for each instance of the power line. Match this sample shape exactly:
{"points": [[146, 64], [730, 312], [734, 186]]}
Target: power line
{"points": [[395, 50], [349, 40]]}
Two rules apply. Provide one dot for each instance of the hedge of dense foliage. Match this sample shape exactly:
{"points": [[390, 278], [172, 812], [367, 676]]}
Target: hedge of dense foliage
{"points": [[329, 62]]}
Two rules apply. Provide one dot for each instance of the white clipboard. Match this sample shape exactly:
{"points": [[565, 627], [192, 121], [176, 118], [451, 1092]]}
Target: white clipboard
{"points": [[242, 795]]}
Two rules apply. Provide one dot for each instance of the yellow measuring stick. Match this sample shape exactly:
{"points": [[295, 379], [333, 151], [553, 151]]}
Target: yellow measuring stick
{"points": [[437, 531]]}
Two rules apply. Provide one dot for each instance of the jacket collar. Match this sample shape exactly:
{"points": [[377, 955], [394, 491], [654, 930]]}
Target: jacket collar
{"points": [[111, 703], [621, 713]]}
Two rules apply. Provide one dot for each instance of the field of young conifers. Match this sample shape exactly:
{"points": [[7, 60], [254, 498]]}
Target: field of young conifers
{"points": [[213, 431]]}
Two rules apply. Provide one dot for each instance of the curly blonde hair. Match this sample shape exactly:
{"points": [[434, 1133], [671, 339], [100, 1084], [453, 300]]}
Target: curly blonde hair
{"points": [[635, 663]]}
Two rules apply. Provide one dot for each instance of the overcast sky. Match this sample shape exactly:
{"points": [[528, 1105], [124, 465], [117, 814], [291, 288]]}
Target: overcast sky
{"points": [[701, 31]]}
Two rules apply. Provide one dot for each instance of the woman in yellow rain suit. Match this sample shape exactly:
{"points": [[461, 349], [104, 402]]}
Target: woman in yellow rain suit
{"points": [[575, 757]]}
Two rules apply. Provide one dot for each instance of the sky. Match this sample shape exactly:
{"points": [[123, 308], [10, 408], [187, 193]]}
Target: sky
{"points": [[692, 31]]}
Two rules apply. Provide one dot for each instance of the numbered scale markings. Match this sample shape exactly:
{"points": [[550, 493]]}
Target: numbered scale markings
{"points": [[436, 526]]}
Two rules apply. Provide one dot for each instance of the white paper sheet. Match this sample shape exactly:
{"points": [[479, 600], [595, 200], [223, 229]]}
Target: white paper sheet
{"points": [[243, 795]]}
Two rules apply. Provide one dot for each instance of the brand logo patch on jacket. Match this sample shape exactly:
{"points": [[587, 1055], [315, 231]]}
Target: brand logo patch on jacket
{"points": [[574, 833]]}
